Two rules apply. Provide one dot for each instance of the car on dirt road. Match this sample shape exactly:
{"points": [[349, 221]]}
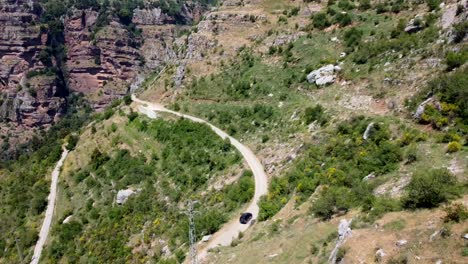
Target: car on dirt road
{"points": [[245, 218]]}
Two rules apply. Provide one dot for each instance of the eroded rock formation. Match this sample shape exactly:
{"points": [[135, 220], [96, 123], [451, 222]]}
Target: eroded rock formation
{"points": [[33, 101]]}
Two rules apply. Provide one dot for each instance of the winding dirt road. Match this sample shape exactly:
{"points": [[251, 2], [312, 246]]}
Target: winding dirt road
{"points": [[231, 230], [49, 211]]}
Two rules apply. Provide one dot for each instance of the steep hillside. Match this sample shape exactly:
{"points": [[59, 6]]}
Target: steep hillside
{"points": [[356, 109], [356, 103]]}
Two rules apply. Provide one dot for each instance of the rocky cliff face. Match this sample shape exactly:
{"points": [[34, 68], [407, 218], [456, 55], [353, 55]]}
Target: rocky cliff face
{"points": [[102, 60], [35, 102], [103, 64]]}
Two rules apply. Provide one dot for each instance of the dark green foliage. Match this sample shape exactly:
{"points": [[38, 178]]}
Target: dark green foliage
{"points": [[127, 100], [332, 200], [124, 9], [364, 5], [132, 116], [381, 7], [399, 30], [268, 208], [433, 4], [456, 59], [397, 6], [243, 191], [316, 113], [72, 141], [450, 89], [346, 5], [46, 72], [352, 37], [343, 19], [460, 31], [428, 189], [186, 160], [320, 21]]}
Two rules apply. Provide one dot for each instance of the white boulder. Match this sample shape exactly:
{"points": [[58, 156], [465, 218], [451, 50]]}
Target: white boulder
{"points": [[122, 195], [401, 242], [206, 238], [324, 75]]}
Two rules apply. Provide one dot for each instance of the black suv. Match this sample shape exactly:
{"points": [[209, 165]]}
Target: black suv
{"points": [[245, 218]]}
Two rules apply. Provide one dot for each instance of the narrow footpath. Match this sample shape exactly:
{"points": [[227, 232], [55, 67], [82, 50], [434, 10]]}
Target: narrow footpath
{"points": [[49, 211]]}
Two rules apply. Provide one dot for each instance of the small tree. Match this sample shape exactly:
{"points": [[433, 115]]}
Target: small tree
{"points": [[320, 21], [429, 189]]}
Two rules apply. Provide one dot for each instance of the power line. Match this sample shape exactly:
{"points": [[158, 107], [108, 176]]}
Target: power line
{"points": [[192, 234]]}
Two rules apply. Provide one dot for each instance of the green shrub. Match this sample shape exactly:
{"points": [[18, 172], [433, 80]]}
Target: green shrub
{"points": [[268, 208], [331, 201], [352, 37], [465, 252], [72, 141], [398, 6], [456, 212], [433, 4], [455, 59], [320, 21], [340, 254], [343, 19], [453, 147], [428, 189], [381, 7], [460, 31], [127, 99], [380, 206], [450, 88], [411, 154], [346, 5], [316, 113], [364, 5]]}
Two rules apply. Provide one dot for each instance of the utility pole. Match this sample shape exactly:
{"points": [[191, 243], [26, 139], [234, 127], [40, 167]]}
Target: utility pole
{"points": [[192, 236], [19, 249]]}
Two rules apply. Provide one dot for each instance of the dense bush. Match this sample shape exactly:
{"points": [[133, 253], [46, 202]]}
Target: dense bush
{"points": [[433, 4], [352, 37], [456, 59], [331, 201], [346, 5], [453, 147], [320, 21], [343, 19], [364, 5], [316, 113], [460, 30], [428, 189], [450, 89]]}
